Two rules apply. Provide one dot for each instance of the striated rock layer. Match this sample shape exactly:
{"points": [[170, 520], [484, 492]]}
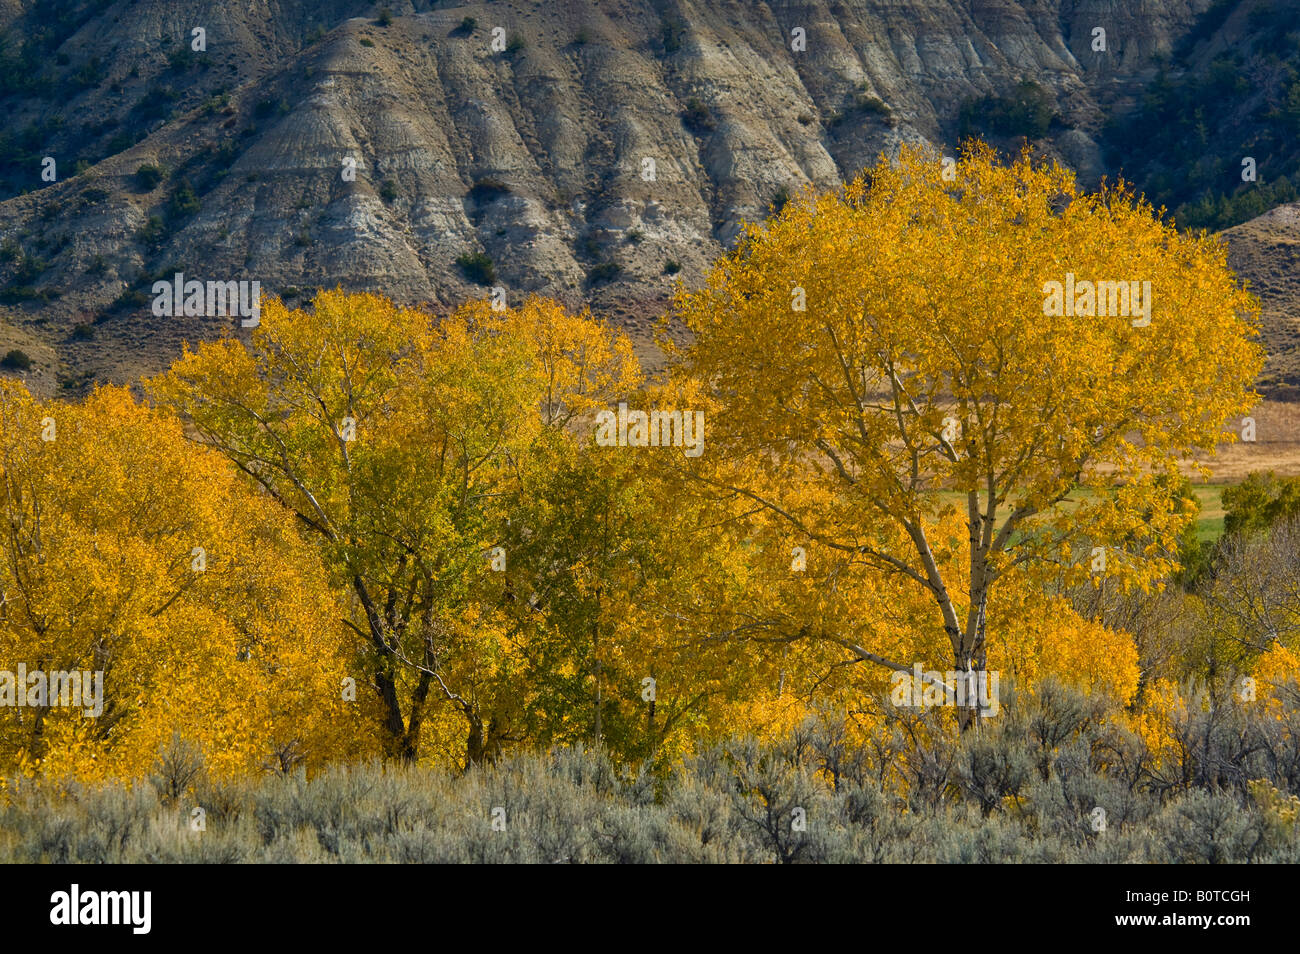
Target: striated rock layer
{"points": [[536, 156]]}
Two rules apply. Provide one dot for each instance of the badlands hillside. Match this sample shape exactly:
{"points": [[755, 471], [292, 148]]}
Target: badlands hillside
{"points": [[596, 151]]}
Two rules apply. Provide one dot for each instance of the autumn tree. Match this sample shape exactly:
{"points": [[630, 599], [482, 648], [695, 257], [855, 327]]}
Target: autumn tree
{"points": [[397, 442], [625, 571], [601, 546], [582, 538], [130, 553], [976, 340]]}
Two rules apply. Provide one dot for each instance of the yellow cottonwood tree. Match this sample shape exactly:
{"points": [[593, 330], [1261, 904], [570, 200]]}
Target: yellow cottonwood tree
{"points": [[129, 551], [879, 358], [814, 619], [396, 441]]}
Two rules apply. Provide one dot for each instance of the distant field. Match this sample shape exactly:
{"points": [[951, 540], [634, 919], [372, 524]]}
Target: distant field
{"points": [[1210, 497], [1276, 446]]}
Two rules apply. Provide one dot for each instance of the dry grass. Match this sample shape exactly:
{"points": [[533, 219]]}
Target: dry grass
{"points": [[1276, 446]]}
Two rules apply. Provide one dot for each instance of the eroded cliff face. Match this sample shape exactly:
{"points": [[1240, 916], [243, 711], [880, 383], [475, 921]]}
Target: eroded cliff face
{"points": [[609, 150], [1265, 252]]}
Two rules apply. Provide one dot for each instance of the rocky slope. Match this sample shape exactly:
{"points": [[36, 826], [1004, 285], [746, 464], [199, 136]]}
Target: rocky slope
{"points": [[1266, 252], [531, 156]]}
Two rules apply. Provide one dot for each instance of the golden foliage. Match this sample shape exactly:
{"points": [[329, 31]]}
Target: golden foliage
{"points": [[132, 552], [908, 456]]}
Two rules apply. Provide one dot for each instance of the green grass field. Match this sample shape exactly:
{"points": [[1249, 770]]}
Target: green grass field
{"points": [[1210, 525]]}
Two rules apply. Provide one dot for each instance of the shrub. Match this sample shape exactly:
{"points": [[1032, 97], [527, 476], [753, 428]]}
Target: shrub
{"points": [[30, 268], [696, 116], [670, 35], [269, 107], [477, 267], [731, 802], [179, 766], [388, 190], [17, 294], [605, 272], [130, 298], [148, 176], [156, 102], [672, 267], [780, 199], [180, 59], [1260, 501], [153, 231], [122, 141], [1026, 112], [16, 360], [872, 105], [488, 190], [221, 102], [183, 202]]}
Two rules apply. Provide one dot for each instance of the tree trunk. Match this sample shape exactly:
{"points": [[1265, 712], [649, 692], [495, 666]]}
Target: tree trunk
{"points": [[394, 724], [650, 728], [595, 651], [475, 747], [411, 740], [970, 664]]}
